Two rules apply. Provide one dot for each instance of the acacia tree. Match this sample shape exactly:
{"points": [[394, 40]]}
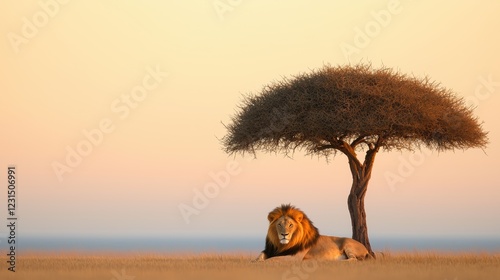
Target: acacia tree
{"points": [[351, 109]]}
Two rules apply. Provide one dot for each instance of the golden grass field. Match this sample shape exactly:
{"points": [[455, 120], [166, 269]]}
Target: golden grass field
{"points": [[401, 266]]}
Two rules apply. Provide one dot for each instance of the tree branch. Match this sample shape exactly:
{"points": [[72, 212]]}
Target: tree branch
{"points": [[370, 157], [379, 143], [324, 147], [354, 163], [357, 141]]}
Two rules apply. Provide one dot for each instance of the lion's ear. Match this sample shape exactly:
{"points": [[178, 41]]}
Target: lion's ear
{"points": [[299, 217], [271, 217]]}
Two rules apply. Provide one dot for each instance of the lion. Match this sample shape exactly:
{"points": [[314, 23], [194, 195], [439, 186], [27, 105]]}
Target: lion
{"points": [[291, 233]]}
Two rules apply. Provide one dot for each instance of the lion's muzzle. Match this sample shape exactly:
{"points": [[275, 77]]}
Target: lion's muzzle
{"points": [[285, 238]]}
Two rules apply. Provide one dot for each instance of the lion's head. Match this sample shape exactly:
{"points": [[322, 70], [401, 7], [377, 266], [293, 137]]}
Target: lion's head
{"points": [[290, 230]]}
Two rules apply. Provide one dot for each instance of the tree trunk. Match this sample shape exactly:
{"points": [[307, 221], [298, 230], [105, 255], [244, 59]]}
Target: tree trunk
{"points": [[358, 217], [361, 174]]}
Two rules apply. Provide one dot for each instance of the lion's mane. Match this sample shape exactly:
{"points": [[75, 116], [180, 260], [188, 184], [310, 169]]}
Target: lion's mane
{"points": [[304, 237]]}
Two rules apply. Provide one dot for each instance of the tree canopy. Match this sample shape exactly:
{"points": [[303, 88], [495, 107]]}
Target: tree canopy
{"points": [[356, 105]]}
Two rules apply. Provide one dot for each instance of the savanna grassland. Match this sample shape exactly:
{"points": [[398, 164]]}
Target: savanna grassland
{"points": [[401, 266]]}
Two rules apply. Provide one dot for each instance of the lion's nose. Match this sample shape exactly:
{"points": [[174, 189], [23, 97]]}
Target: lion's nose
{"points": [[284, 234]]}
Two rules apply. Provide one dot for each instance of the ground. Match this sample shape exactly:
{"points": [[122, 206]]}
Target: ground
{"points": [[148, 266]]}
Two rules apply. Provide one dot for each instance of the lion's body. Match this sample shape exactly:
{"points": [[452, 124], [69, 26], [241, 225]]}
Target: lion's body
{"points": [[291, 233]]}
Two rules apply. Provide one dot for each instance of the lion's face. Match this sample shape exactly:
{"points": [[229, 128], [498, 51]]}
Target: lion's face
{"points": [[285, 228], [288, 228]]}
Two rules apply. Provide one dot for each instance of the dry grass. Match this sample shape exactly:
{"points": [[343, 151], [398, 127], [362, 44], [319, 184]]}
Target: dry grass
{"points": [[406, 266]]}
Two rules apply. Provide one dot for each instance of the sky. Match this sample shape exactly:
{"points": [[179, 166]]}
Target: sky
{"points": [[112, 111]]}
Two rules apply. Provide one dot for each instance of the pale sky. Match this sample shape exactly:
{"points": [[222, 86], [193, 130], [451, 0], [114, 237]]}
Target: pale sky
{"points": [[111, 112]]}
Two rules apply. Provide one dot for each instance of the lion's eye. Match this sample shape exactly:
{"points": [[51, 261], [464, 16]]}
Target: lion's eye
{"points": [[291, 225]]}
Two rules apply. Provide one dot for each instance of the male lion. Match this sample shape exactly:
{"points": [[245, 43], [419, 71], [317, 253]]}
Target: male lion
{"points": [[291, 233]]}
